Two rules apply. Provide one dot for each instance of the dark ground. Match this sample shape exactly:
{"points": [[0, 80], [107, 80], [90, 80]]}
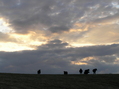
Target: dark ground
{"points": [[34, 81]]}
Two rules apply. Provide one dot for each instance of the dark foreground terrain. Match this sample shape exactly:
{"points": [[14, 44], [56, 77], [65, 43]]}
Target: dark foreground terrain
{"points": [[32, 81]]}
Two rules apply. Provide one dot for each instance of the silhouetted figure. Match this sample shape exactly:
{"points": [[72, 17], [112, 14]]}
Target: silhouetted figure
{"points": [[39, 72], [80, 71], [86, 71], [65, 72], [94, 70]]}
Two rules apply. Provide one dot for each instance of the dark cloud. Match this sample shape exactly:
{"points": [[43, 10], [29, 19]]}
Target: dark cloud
{"points": [[53, 45], [26, 15], [108, 58], [23, 16], [57, 29], [55, 58]]}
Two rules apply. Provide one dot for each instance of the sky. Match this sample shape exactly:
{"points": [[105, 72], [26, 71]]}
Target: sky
{"points": [[59, 35]]}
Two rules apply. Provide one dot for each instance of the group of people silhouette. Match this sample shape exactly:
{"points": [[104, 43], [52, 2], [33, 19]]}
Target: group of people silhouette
{"points": [[87, 71]]}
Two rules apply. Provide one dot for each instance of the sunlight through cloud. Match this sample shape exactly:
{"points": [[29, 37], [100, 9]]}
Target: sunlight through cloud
{"points": [[4, 26]]}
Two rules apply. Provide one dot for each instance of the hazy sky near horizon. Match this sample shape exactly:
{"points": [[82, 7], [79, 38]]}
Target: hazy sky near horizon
{"points": [[58, 35]]}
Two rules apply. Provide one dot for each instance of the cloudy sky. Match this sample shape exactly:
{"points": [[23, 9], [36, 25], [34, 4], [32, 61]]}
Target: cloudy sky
{"points": [[58, 35]]}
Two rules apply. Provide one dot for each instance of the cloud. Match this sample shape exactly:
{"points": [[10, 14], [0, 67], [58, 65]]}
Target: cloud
{"points": [[18, 42], [108, 19], [28, 15], [4, 37], [23, 17], [54, 44], [56, 16], [99, 35], [102, 35], [55, 58], [57, 29]]}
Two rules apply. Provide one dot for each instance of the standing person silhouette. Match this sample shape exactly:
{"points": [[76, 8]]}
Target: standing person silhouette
{"points": [[39, 72], [94, 70], [80, 71]]}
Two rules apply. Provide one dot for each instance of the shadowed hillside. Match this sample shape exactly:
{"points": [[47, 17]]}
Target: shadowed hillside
{"points": [[33, 81]]}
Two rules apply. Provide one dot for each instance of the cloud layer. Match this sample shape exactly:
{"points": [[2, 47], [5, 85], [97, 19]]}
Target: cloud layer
{"points": [[58, 35], [55, 57]]}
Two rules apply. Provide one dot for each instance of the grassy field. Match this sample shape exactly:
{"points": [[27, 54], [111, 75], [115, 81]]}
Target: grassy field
{"points": [[33, 81]]}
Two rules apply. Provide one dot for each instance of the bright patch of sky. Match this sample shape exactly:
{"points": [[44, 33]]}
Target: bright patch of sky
{"points": [[115, 5], [4, 26]]}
